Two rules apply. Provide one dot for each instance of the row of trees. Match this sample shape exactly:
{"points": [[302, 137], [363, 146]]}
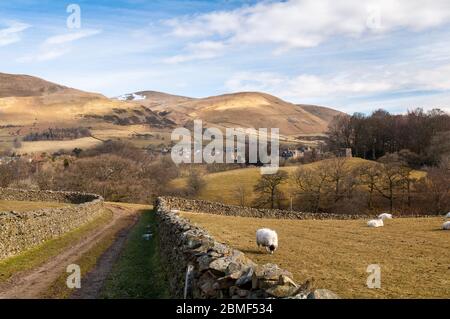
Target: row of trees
{"points": [[58, 134], [115, 170], [15, 172], [336, 186], [426, 135]]}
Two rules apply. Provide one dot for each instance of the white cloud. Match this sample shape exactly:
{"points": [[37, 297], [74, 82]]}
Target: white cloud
{"points": [[70, 37], [308, 23], [12, 33], [44, 55], [57, 46], [199, 51], [307, 88]]}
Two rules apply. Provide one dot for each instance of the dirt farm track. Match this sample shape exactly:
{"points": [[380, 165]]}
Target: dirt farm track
{"points": [[35, 282]]}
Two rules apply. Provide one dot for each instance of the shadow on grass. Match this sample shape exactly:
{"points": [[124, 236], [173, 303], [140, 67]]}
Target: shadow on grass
{"points": [[440, 230], [255, 251]]}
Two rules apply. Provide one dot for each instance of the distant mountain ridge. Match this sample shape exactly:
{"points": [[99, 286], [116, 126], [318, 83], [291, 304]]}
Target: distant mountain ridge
{"points": [[19, 85], [243, 109], [29, 101]]}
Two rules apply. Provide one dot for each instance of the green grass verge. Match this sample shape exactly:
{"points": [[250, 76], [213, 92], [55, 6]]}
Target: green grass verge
{"points": [[38, 255], [138, 272]]}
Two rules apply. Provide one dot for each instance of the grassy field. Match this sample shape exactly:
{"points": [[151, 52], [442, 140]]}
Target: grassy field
{"points": [[22, 206], [138, 273], [414, 254], [223, 186], [54, 146]]}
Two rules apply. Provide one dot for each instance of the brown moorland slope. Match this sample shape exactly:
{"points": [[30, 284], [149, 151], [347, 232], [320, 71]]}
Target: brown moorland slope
{"points": [[20, 85], [325, 113], [254, 109], [28, 100], [244, 109]]}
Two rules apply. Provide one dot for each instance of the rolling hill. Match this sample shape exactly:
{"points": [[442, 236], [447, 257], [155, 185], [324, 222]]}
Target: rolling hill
{"points": [[30, 104], [18, 85], [243, 109], [27, 100]]}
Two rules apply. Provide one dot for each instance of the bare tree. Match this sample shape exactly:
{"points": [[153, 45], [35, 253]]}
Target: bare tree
{"points": [[6, 175], [311, 183], [340, 132], [368, 176], [338, 175], [268, 189], [390, 177], [195, 182], [241, 194], [407, 180], [436, 187], [14, 172]]}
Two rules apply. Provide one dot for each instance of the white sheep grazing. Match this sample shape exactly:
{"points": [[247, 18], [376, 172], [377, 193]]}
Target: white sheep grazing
{"points": [[446, 226], [448, 215], [375, 223], [267, 238], [385, 216]]}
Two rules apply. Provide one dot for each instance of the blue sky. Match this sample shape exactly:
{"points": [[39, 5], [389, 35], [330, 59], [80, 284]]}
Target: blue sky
{"points": [[351, 55]]}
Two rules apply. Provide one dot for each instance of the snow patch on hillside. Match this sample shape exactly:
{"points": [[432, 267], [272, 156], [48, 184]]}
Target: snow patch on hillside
{"points": [[131, 97]]}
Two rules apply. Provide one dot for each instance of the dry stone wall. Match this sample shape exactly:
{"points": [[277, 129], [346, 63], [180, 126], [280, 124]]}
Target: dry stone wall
{"points": [[46, 196], [20, 231], [194, 205], [197, 266]]}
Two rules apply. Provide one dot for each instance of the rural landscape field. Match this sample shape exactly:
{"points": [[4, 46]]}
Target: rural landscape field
{"points": [[223, 150], [336, 253]]}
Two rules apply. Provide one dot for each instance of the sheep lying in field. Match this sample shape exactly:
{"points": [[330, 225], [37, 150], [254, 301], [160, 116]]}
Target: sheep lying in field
{"points": [[385, 216], [267, 238], [446, 226], [375, 223]]}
